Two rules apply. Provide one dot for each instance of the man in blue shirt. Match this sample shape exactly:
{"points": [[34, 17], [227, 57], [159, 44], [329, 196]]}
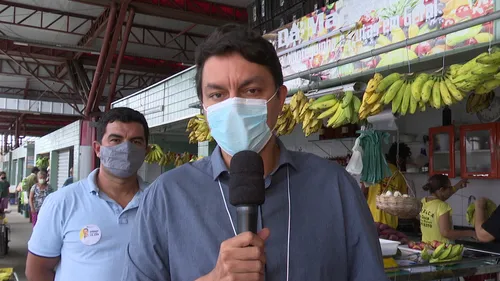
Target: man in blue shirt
{"points": [[82, 229], [314, 225], [69, 180]]}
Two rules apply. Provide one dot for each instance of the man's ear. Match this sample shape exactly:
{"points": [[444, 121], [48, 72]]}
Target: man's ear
{"points": [[97, 148], [282, 93]]}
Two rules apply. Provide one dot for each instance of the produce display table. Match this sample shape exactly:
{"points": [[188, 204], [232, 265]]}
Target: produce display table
{"points": [[467, 267], [8, 274]]}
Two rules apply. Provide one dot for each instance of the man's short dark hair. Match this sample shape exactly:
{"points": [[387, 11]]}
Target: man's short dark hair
{"points": [[233, 38], [35, 170], [121, 114]]}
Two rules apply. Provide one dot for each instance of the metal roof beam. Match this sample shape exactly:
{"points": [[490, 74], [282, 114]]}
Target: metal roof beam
{"points": [[32, 94], [199, 12], [83, 25]]}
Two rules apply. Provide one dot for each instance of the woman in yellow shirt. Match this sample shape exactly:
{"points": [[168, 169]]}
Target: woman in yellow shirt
{"points": [[435, 218], [395, 182]]}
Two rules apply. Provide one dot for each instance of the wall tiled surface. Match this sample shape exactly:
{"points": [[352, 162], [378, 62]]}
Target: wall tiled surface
{"points": [[19, 152], [167, 101], [63, 138], [418, 125]]}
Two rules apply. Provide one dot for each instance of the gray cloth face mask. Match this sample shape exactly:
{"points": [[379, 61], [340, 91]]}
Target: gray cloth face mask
{"points": [[123, 160]]}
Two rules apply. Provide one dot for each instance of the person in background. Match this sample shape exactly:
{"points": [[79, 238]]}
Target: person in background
{"points": [[487, 230], [395, 182], [435, 218], [26, 185], [38, 193], [4, 192], [314, 224], [83, 228], [69, 180]]}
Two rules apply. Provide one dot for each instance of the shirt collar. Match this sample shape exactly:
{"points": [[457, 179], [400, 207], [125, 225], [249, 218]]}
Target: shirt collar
{"points": [[92, 182], [219, 167]]}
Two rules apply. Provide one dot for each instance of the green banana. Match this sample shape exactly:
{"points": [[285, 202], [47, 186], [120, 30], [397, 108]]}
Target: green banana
{"points": [[357, 104], [323, 98], [468, 66], [418, 84], [453, 90], [347, 99], [323, 105], [436, 95], [387, 82], [405, 104], [329, 112], [493, 58], [396, 102], [427, 89], [482, 69], [393, 90], [445, 94]]}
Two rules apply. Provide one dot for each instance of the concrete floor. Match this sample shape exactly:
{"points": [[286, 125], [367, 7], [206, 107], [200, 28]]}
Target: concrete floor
{"points": [[20, 232]]}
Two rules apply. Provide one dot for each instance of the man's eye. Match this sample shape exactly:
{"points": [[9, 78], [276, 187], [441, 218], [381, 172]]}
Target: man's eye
{"points": [[253, 91], [215, 96]]}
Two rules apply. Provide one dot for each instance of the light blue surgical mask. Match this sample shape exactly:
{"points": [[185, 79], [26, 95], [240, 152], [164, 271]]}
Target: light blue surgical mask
{"points": [[239, 124]]}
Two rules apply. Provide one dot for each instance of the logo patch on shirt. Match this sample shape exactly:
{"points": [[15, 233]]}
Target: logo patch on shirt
{"points": [[90, 234]]}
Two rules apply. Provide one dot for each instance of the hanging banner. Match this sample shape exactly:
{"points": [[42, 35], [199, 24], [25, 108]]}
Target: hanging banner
{"points": [[351, 27]]}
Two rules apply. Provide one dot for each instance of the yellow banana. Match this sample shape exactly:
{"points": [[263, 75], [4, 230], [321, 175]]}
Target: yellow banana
{"points": [[445, 94], [436, 95], [329, 112], [405, 104], [453, 90], [427, 90]]}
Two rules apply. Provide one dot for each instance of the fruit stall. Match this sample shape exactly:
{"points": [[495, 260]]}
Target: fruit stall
{"points": [[432, 68]]}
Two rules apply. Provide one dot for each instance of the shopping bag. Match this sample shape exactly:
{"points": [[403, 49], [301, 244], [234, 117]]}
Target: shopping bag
{"points": [[355, 165]]}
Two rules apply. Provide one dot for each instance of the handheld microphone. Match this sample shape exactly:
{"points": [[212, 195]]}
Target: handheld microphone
{"points": [[246, 189]]}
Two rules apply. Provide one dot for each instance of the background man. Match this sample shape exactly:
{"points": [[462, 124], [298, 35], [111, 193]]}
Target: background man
{"points": [[105, 204]]}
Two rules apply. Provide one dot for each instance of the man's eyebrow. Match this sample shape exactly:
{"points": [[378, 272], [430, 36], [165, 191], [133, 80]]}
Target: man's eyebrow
{"points": [[251, 80], [115, 136], [214, 86], [245, 83], [138, 138]]}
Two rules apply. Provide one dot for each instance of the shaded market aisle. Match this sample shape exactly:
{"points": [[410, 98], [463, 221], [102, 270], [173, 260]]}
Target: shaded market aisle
{"points": [[19, 236]]}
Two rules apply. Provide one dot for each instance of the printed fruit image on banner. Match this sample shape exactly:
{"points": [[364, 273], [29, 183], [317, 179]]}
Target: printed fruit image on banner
{"points": [[350, 27]]}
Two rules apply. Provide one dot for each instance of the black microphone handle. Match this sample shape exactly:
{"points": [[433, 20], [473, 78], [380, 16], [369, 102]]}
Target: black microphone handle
{"points": [[247, 218]]}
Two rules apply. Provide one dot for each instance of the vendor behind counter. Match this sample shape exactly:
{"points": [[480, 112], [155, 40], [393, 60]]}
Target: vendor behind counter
{"points": [[436, 216], [395, 182]]}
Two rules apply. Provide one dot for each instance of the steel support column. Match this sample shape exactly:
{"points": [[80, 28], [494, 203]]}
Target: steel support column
{"points": [[5, 137], [17, 125], [100, 63], [110, 53], [123, 47]]}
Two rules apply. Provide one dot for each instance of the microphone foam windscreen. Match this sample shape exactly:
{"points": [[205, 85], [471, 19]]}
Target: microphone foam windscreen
{"points": [[246, 179]]}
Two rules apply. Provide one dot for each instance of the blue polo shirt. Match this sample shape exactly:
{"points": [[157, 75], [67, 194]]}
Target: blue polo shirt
{"points": [[182, 221], [87, 229]]}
